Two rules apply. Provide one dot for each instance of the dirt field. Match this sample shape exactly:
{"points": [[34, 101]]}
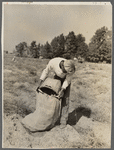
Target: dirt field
{"points": [[89, 123]]}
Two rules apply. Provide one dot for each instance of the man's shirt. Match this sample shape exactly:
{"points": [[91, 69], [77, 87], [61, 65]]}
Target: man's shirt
{"points": [[53, 66]]}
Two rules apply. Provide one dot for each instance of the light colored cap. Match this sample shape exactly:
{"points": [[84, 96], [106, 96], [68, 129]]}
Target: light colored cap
{"points": [[69, 66]]}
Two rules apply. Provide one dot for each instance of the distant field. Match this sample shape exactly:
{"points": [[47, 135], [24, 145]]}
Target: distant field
{"points": [[90, 96]]}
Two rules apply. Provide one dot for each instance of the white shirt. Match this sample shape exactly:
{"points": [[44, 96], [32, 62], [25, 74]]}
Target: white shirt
{"points": [[53, 66]]}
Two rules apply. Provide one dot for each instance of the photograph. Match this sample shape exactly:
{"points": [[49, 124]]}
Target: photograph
{"points": [[56, 75]]}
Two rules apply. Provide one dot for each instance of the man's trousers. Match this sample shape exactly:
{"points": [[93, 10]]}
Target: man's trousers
{"points": [[65, 102]]}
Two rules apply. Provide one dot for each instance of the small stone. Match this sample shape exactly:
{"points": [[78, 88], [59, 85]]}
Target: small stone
{"points": [[10, 133], [30, 145], [12, 118], [14, 124]]}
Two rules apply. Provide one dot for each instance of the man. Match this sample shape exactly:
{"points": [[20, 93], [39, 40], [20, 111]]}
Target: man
{"points": [[63, 70]]}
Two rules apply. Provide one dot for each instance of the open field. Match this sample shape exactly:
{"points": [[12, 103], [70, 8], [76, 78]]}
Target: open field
{"points": [[89, 124]]}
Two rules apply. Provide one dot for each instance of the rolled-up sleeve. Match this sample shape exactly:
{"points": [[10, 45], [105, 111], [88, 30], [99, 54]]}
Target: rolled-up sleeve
{"points": [[46, 71], [67, 80]]}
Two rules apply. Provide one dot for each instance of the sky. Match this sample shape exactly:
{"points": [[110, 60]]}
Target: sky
{"points": [[23, 22]]}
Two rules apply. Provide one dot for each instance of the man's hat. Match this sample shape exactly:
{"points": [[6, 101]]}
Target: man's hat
{"points": [[69, 66]]}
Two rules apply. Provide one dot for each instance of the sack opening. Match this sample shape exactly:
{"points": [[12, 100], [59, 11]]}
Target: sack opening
{"points": [[48, 91]]}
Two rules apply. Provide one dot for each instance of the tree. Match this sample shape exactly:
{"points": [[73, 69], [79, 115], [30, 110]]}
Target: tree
{"points": [[34, 49], [38, 50], [99, 47], [43, 52], [61, 45], [57, 45], [48, 50], [24, 44], [82, 47], [80, 38], [70, 45], [105, 52], [20, 48]]}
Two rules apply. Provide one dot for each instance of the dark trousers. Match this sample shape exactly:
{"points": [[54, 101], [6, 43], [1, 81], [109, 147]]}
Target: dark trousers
{"points": [[64, 103]]}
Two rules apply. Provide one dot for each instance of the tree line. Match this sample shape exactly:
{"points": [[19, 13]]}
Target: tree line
{"points": [[71, 46]]}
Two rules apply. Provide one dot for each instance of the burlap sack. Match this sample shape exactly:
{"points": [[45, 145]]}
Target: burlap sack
{"points": [[47, 112], [51, 84]]}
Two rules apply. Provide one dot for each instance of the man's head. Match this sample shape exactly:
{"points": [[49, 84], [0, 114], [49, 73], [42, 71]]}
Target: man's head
{"points": [[69, 66]]}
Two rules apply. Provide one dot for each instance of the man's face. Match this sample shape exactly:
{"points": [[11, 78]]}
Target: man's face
{"points": [[63, 69]]}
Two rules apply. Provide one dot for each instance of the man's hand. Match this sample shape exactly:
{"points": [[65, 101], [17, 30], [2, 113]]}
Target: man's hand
{"points": [[61, 93]]}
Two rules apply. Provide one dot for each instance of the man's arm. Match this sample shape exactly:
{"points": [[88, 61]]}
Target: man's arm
{"points": [[44, 75], [65, 84], [67, 80], [46, 71]]}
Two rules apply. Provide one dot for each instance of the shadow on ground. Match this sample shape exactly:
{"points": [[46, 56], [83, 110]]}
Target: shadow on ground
{"points": [[74, 116]]}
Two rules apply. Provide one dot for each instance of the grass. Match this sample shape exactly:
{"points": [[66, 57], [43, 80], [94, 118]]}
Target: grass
{"points": [[90, 89]]}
